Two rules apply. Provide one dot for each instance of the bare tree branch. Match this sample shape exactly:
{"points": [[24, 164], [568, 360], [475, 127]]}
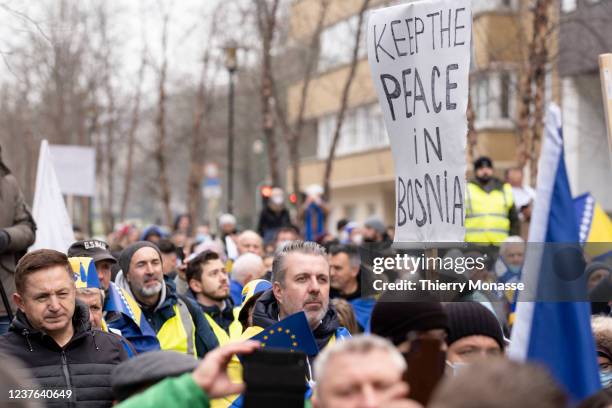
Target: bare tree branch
{"points": [[343, 103]]}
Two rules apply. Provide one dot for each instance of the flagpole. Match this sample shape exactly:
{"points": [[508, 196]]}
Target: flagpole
{"points": [[605, 72]]}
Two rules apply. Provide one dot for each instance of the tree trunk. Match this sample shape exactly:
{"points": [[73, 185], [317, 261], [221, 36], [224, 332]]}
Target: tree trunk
{"points": [[343, 105], [292, 136], [196, 153], [531, 106], [472, 135], [203, 106], [541, 21], [109, 219], [161, 129], [525, 100], [131, 136], [267, 27]]}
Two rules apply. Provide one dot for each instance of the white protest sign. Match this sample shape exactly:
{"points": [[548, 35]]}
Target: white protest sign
{"points": [[75, 167], [419, 55]]}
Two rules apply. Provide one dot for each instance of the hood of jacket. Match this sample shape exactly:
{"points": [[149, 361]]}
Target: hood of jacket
{"points": [[266, 311]]}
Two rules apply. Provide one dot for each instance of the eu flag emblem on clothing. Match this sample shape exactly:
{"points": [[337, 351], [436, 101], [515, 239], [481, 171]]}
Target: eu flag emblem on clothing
{"points": [[292, 333]]}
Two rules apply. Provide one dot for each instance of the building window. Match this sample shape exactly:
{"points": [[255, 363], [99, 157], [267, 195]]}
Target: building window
{"points": [[371, 209], [363, 129], [494, 99], [338, 41], [480, 6], [349, 211]]}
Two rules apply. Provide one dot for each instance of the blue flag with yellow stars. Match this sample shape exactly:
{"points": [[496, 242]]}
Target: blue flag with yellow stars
{"points": [[293, 333]]}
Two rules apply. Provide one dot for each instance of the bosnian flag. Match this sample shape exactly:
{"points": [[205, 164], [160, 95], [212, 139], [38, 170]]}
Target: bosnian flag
{"points": [[549, 329]]}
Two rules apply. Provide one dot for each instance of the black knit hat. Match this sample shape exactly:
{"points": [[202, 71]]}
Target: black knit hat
{"points": [[472, 319], [483, 161], [126, 255], [396, 314]]}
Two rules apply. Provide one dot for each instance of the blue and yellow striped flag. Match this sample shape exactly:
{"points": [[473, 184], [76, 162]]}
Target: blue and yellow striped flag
{"points": [[595, 227], [85, 273]]}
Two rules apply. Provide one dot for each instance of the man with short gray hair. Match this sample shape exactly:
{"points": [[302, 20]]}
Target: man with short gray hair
{"points": [[246, 267], [300, 282], [250, 241], [364, 371]]}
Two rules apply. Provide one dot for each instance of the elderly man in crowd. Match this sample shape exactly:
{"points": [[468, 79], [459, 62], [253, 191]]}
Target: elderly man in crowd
{"points": [[246, 268], [365, 371], [121, 321], [177, 321], [250, 241]]}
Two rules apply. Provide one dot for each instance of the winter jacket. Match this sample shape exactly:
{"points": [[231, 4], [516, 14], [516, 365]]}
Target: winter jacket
{"points": [[173, 393], [266, 312], [224, 318], [159, 316], [170, 393], [270, 221], [16, 220], [83, 365]]}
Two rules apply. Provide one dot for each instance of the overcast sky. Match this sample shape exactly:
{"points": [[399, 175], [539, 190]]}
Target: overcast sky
{"points": [[188, 30]]}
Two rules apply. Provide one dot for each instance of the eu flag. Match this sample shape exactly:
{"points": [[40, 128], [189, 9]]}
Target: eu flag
{"points": [[293, 333]]}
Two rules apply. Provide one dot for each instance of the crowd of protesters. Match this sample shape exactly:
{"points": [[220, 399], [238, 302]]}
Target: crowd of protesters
{"points": [[156, 317]]}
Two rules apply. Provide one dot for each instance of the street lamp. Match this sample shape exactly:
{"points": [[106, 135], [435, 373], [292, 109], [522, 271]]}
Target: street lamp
{"points": [[231, 64]]}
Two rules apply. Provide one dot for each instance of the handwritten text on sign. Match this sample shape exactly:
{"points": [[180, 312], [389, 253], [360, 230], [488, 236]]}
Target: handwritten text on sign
{"points": [[419, 55]]}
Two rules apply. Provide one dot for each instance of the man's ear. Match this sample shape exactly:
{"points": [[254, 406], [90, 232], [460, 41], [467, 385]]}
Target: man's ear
{"points": [[277, 290], [18, 300], [355, 271], [195, 285]]}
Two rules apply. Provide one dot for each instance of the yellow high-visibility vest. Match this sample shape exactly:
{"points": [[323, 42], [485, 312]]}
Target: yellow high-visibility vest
{"points": [[224, 337], [486, 215], [178, 332]]}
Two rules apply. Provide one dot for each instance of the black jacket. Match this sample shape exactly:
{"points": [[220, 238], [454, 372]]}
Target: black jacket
{"points": [[270, 220], [224, 318], [266, 311], [83, 365]]}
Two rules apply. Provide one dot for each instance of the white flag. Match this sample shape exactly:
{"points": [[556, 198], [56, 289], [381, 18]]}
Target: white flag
{"points": [[54, 228]]}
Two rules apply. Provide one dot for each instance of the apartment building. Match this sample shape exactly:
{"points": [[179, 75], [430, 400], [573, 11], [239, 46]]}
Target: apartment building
{"points": [[362, 182], [586, 32]]}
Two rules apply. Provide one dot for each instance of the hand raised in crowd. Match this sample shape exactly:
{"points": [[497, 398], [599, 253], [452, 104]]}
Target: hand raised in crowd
{"points": [[211, 374], [395, 397]]}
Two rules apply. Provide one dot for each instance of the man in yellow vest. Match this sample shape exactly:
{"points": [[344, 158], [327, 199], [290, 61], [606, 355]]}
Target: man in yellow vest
{"points": [[209, 287], [176, 320], [490, 212]]}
